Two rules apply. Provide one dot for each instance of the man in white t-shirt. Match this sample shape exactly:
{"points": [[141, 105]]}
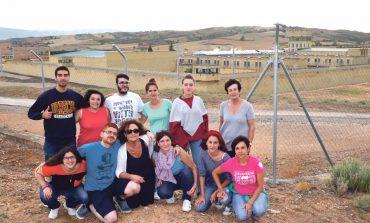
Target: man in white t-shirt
{"points": [[124, 104]]}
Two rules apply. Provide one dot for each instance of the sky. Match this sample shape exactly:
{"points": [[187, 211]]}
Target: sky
{"points": [[139, 15]]}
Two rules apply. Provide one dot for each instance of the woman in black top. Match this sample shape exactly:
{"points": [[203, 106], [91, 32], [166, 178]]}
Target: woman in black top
{"points": [[135, 155]]}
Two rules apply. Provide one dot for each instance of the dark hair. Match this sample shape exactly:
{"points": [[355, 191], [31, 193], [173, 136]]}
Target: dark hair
{"points": [[121, 75], [216, 134], [58, 158], [87, 96], [110, 125], [151, 82], [161, 134], [124, 127], [188, 76], [61, 68], [231, 82], [239, 139]]}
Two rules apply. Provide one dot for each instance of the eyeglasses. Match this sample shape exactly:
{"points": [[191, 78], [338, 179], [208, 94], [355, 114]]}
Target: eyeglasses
{"points": [[130, 131], [111, 133], [69, 158], [123, 83]]}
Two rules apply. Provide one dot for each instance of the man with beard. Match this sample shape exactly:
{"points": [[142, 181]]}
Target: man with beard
{"points": [[57, 106], [124, 104], [101, 183]]}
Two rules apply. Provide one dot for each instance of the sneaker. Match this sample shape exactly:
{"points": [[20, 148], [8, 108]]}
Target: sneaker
{"points": [[71, 211], [156, 196], [170, 200], [53, 214], [122, 206], [228, 211], [82, 212], [186, 206]]}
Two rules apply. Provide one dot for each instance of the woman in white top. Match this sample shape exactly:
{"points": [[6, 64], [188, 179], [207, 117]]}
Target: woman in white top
{"points": [[189, 119]]}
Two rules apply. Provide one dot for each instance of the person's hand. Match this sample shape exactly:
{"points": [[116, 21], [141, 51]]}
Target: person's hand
{"points": [[159, 183], [200, 200], [192, 189], [46, 114], [214, 196], [47, 192], [221, 194], [248, 208], [137, 179], [177, 150], [150, 136]]}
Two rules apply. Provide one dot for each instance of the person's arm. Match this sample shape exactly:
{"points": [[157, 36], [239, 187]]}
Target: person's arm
{"points": [[142, 118], [216, 178], [201, 198], [221, 122], [41, 180], [136, 178], [256, 193], [252, 129], [185, 157], [78, 115], [39, 110]]}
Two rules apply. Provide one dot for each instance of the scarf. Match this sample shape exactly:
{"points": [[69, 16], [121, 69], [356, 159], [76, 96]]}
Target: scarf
{"points": [[163, 165]]}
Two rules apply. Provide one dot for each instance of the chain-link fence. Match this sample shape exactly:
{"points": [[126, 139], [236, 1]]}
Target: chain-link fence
{"points": [[338, 100]]}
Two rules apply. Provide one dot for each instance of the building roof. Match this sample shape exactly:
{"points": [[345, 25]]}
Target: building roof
{"points": [[325, 50], [83, 53], [218, 52]]}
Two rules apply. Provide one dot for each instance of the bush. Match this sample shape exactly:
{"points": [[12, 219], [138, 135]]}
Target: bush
{"points": [[362, 203], [351, 175]]}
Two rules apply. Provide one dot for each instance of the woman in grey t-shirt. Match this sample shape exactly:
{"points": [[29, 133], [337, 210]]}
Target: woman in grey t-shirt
{"points": [[236, 115]]}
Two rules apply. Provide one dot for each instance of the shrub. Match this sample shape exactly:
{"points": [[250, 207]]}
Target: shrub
{"points": [[351, 175], [362, 203]]}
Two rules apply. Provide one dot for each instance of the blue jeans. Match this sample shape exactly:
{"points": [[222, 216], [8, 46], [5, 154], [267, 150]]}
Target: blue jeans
{"points": [[195, 150], [53, 145], [73, 197], [259, 206], [184, 180], [203, 207]]}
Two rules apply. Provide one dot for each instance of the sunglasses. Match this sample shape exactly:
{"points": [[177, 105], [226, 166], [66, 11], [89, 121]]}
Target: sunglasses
{"points": [[130, 131]]}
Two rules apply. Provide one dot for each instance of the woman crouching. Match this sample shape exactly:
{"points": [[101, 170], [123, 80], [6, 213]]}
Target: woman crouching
{"points": [[174, 171], [66, 169], [249, 200]]}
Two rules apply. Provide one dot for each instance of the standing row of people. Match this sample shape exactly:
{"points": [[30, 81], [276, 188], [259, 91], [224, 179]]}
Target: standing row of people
{"points": [[121, 171]]}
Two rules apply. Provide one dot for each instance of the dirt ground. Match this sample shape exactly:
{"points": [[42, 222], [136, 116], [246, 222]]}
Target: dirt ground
{"points": [[299, 154], [20, 203]]}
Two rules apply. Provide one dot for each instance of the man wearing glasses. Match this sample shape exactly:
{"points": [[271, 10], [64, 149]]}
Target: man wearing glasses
{"points": [[101, 183], [124, 104]]}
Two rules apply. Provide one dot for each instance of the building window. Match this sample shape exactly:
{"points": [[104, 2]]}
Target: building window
{"points": [[348, 61], [329, 61], [308, 60]]}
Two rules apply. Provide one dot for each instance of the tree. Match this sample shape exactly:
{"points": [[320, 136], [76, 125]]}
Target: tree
{"points": [[171, 46], [150, 49]]}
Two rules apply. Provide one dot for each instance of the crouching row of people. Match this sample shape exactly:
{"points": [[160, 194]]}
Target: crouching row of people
{"points": [[121, 173]]}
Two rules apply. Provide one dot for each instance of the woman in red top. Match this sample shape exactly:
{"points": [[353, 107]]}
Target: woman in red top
{"points": [[92, 117], [66, 169]]}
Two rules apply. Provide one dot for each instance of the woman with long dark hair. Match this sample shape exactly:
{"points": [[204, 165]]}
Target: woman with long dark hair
{"points": [[66, 169]]}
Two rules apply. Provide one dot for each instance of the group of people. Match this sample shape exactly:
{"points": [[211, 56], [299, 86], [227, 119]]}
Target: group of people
{"points": [[116, 164]]}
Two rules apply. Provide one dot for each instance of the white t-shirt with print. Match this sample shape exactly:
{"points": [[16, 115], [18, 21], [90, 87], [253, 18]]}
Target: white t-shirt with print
{"points": [[123, 107]]}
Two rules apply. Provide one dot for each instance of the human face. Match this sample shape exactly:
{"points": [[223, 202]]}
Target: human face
{"points": [[165, 143], [212, 144], [95, 101], [132, 133], [188, 87], [233, 91], [123, 85], [241, 150], [153, 92], [69, 160], [109, 136], [62, 78]]}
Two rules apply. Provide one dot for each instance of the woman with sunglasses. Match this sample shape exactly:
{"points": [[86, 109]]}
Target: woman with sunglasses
{"points": [[174, 171], [134, 161], [66, 169], [92, 117]]}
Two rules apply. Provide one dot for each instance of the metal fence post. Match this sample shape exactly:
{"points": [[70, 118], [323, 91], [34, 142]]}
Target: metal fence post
{"points": [[42, 68], [125, 65]]}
